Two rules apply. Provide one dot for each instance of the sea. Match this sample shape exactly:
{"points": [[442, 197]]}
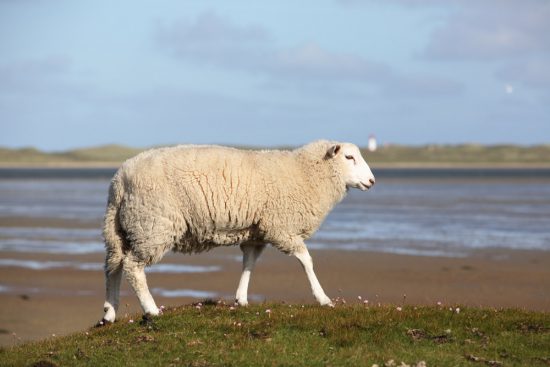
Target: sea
{"points": [[426, 212]]}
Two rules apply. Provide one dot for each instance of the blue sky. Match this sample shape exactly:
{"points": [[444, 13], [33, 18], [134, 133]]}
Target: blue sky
{"points": [[144, 73]]}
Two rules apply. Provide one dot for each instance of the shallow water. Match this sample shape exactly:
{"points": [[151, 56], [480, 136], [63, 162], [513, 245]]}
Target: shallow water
{"points": [[419, 212], [441, 216]]}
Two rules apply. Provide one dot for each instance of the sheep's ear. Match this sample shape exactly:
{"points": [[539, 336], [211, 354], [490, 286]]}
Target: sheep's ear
{"points": [[333, 150]]}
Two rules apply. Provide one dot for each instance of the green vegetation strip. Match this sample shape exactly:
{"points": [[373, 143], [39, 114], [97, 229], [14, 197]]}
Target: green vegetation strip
{"points": [[215, 334], [468, 154], [427, 155]]}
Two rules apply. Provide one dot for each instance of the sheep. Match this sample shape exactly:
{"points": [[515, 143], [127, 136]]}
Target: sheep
{"points": [[192, 198]]}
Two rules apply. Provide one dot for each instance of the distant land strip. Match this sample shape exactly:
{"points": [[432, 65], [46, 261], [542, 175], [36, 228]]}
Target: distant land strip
{"points": [[391, 156]]}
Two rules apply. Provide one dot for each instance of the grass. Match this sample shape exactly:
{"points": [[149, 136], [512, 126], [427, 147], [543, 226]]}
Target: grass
{"points": [[106, 154], [466, 154], [428, 155], [216, 334]]}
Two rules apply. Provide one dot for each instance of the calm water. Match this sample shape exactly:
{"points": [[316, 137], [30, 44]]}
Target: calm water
{"points": [[425, 212]]}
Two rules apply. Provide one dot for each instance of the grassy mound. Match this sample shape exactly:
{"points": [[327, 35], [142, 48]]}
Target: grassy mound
{"points": [[215, 334]]}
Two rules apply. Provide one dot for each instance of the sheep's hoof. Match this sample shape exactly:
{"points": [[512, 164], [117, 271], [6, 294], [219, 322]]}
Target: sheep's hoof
{"points": [[326, 302], [102, 323], [241, 303], [148, 320]]}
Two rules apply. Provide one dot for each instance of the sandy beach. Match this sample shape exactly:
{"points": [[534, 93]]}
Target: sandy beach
{"points": [[71, 300]]}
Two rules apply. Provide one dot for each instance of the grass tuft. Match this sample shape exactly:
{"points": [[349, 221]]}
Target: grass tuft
{"points": [[212, 333]]}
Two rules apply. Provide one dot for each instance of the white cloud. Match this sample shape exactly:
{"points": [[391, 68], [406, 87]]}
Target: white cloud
{"points": [[213, 40], [511, 35], [490, 29], [312, 61], [33, 74], [533, 72], [216, 41]]}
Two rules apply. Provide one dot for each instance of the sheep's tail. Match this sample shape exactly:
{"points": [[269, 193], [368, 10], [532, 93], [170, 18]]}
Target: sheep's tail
{"points": [[112, 231]]}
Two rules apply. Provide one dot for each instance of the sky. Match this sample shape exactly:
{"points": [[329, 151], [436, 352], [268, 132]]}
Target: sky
{"points": [[272, 73]]}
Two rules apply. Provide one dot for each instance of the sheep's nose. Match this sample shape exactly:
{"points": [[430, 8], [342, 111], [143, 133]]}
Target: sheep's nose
{"points": [[371, 181]]}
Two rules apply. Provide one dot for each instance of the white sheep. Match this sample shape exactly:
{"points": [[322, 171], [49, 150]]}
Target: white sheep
{"points": [[193, 198]]}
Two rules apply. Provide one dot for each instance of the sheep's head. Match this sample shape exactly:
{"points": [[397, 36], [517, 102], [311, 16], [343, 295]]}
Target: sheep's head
{"points": [[354, 169]]}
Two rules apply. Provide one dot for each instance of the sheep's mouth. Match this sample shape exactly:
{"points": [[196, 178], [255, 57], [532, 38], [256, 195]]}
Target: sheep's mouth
{"points": [[364, 187]]}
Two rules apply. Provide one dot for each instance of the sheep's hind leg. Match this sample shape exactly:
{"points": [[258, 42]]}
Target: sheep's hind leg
{"points": [[302, 254], [250, 255], [112, 285], [135, 274]]}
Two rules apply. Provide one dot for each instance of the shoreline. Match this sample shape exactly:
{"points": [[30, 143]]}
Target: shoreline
{"points": [[488, 278], [395, 165]]}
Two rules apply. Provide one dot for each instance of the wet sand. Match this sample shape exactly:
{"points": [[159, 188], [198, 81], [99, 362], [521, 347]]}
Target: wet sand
{"points": [[60, 301]]}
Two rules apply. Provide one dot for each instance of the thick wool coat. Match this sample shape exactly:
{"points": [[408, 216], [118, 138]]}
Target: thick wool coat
{"points": [[193, 198]]}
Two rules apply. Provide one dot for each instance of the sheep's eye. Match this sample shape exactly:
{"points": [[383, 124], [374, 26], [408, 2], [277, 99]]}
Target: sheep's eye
{"points": [[350, 157]]}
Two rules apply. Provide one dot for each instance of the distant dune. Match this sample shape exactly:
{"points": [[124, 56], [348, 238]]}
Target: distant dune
{"points": [[102, 156], [466, 155]]}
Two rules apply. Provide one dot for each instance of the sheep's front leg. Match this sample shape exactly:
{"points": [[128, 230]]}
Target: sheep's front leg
{"points": [[305, 259], [250, 255]]}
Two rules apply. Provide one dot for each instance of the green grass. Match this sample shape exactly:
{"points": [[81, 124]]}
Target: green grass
{"points": [[104, 154], [352, 335], [468, 154], [435, 155]]}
